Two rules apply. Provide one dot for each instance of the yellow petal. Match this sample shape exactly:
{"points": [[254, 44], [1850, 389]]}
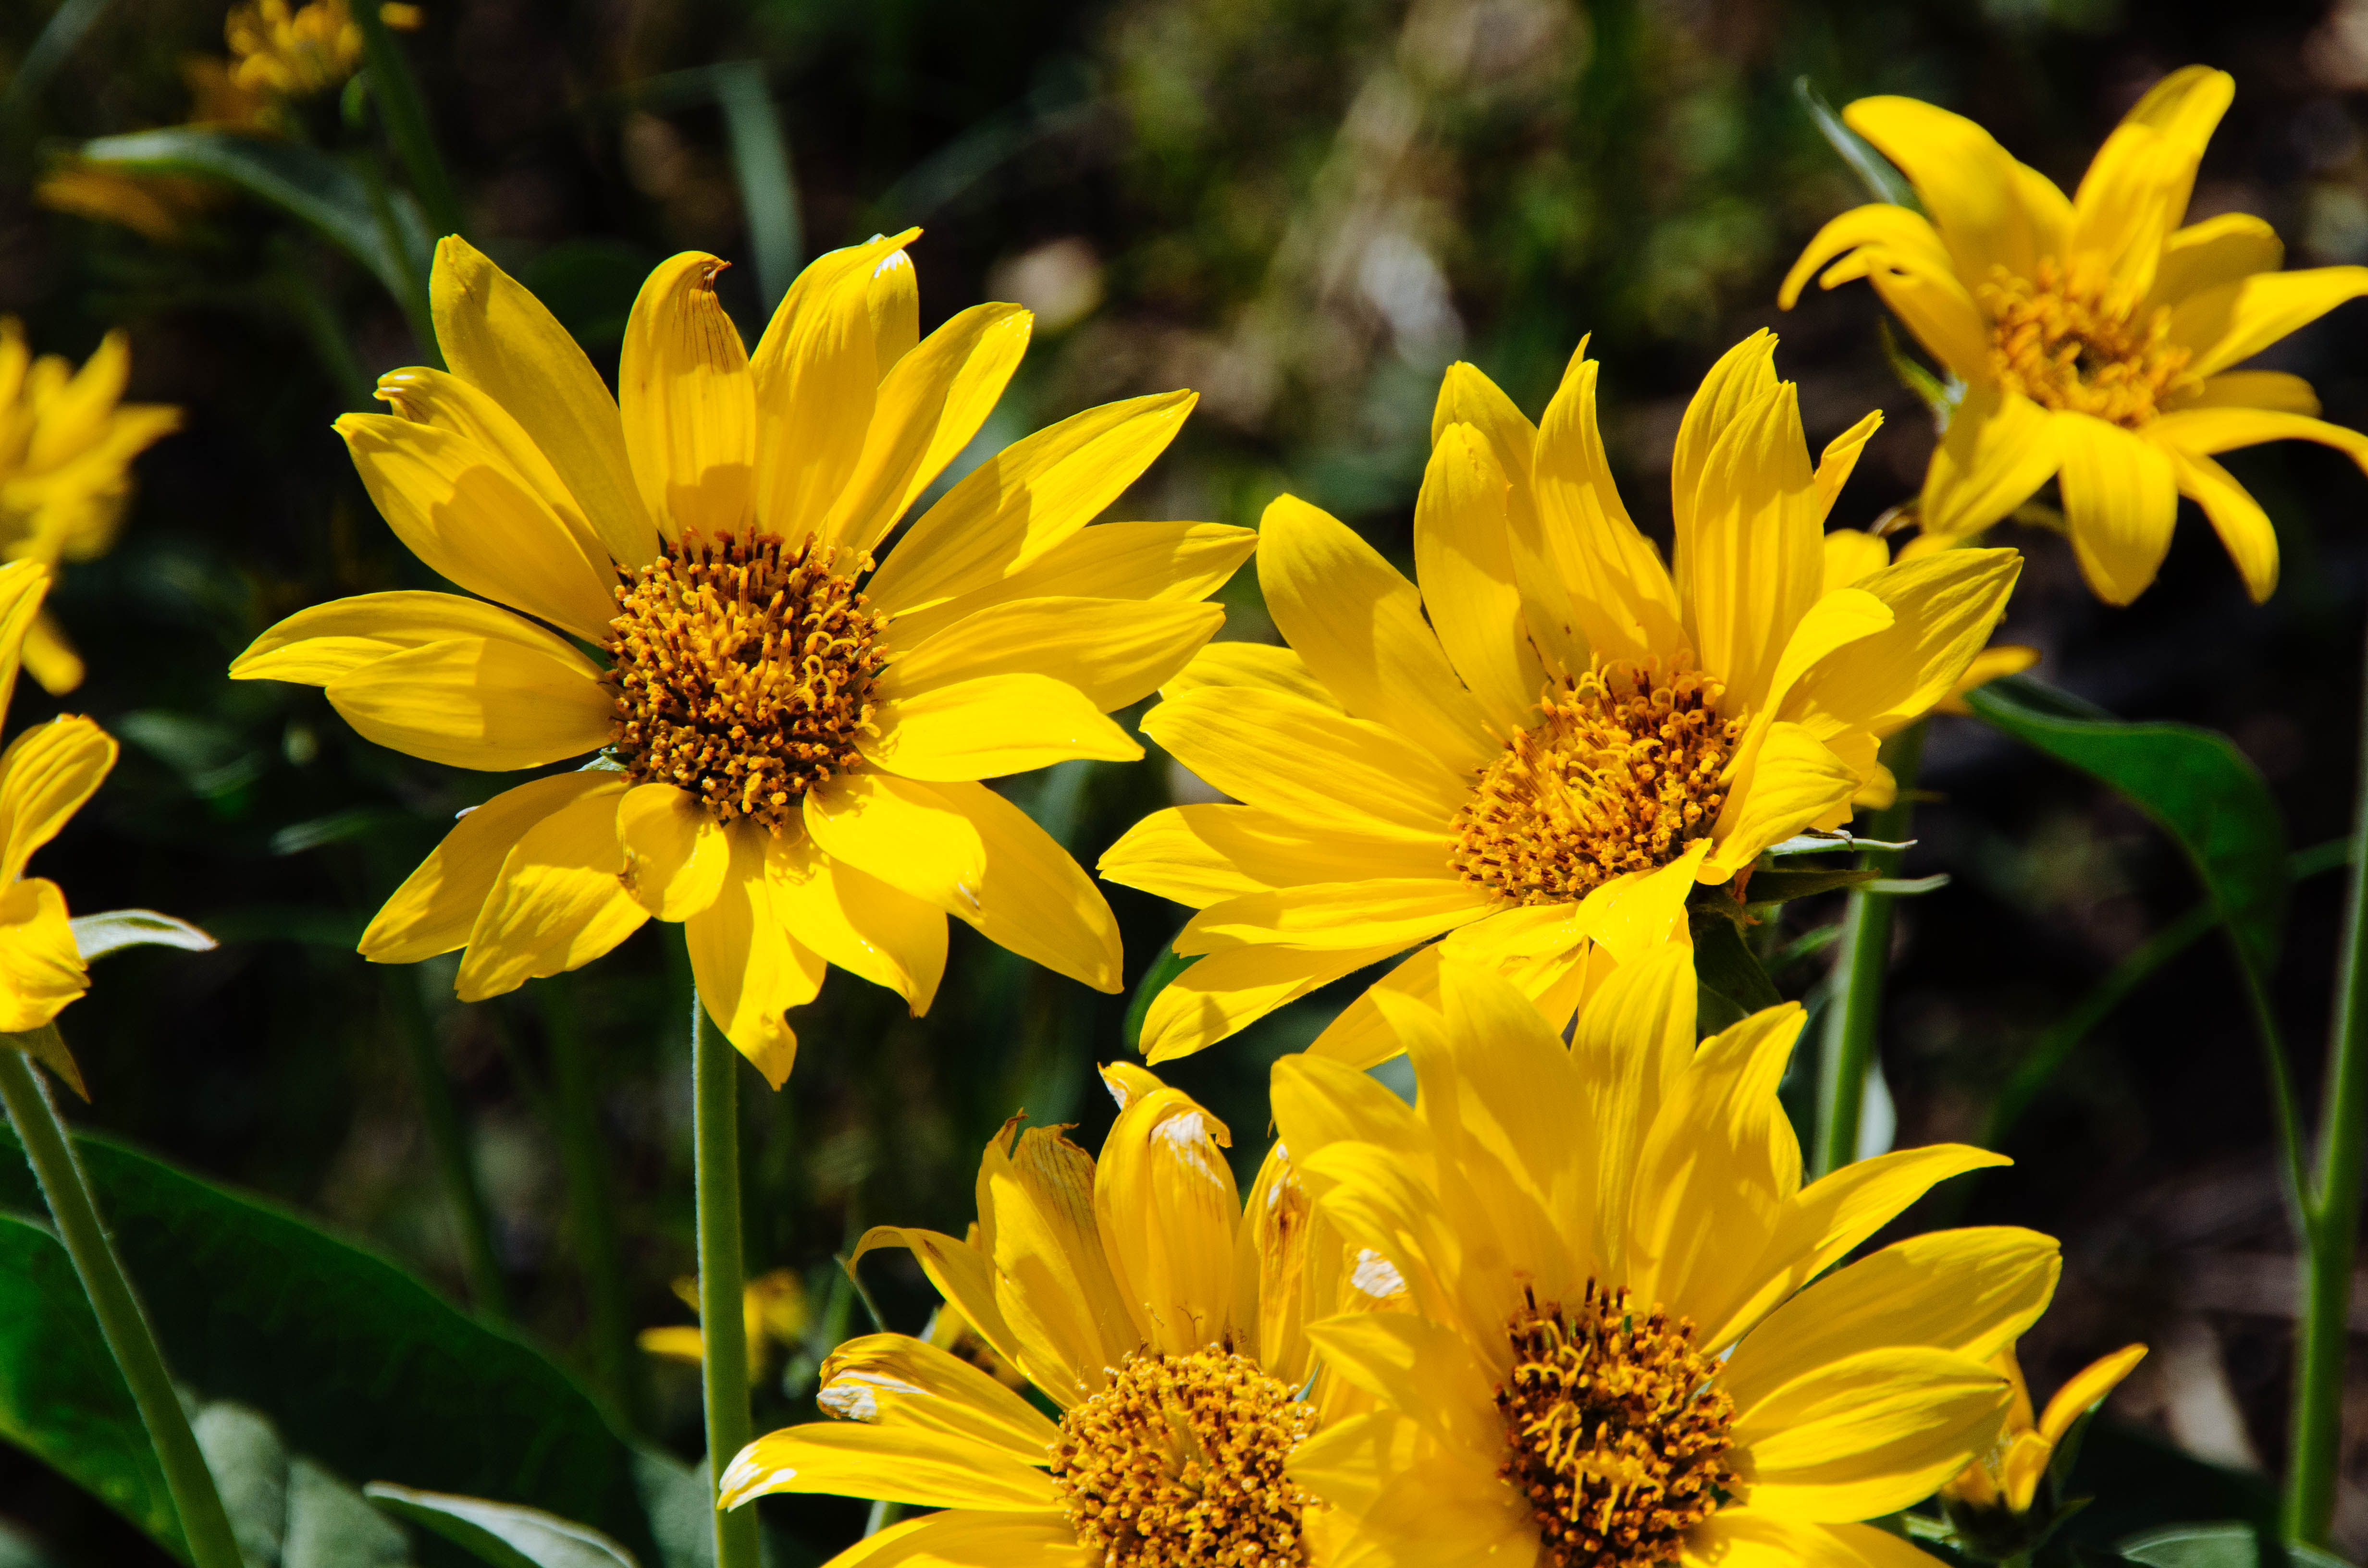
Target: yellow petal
{"points": [[1464, 558], [689, 401], [1026, 499], [435, 906], [2274, 390], [1415, 1502], [961, 1274], [1835, 620], [2120, 501], [1792, 780], [1228, 991], [1751, 556], [478, 703], [2216, 251], [2088, 1385], [1867, 1436], [1629, 1046], [557, 903], [675, 852], [45, 775], [1906, 238], [893, 1380], [1969, 1292], [1260, 664], [1397, 912], [1748, 1537], [2138, 185], [500, 339], [1633, 915], [1052, 1276], [50, 657], [964, 1537], [1360, 626], [1999, 448], [1850, 554], [1621, 602], [1943, 606], [2236, 320], [987, 726], [41, 969], [930, 404], [1293, 757], [966, 850], [426, 396], [1999, 659], [1968, 183], [1736, 383], [897, 1464], [749, 968], [1198, 855], [816, 378], [318, 646], [1167, 562], [1420, 1370], [1165, 1201], [466, 514], [1840, 461], [23, 585], [1116, 651], [855, 920], [2223, 427], [2236, 518]]}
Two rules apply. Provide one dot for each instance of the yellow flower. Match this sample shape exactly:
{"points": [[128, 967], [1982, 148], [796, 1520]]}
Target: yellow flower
{"points": [[159, 207], [1614, 1355], [66, 444], [790, 743], [297, 53], [2094, 338], [2004, 1479], [45, 775], [1542, 748], [1160, 1316], [773, 1312]]}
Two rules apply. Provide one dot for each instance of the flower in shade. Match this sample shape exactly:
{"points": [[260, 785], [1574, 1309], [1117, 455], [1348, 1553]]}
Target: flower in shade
{"points": [[773, 1313], [45, 775], [67, 441], [1160, 1317], [279, 51], [2096, 338], [1619, 1350], [787, 742], [2007, 1501], [1542, 745]]}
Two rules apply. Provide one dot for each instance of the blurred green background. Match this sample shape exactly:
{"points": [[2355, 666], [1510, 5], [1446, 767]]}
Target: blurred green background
{"points": [[1303, 209]]}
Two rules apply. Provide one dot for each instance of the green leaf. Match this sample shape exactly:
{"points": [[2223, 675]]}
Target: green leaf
{"points": [[304, 182], [360, 1365], [116, 929], [1164, 968], [760, 163], [61, 1399], [502, 1534], [286, 1511], [2193, 782], [1732, 985], [2227, 1544], [1878, 174]]}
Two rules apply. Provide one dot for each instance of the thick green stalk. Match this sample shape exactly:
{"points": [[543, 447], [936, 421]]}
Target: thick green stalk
{"points": [[591, 1203], [447, 1141], [723, 1333], [2330, 1215], [204, 1526], [1864, 953]]}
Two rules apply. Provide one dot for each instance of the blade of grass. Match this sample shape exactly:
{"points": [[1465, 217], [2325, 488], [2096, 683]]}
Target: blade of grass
{"points": [[760, 162]]}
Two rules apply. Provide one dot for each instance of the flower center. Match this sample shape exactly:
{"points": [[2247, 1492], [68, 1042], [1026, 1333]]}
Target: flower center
{"points": [[1615, 1430], [743, 668], [1179, 1463], [1620, 774], [2057, 340]]}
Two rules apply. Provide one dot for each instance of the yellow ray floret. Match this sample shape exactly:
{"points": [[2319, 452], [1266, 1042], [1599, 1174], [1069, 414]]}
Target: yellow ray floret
{"points": [[1620, 1351], [1162, 1317], [1995, 1494], [787, 741], [1541, 746], [2096, 338]]}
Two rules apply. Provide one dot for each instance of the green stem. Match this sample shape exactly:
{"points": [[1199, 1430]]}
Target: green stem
{"points": [[2331, 1214], [447, 1141], [724, 1368], [1865, 953], [592, 1208], [204, 1526], [404, 114]]}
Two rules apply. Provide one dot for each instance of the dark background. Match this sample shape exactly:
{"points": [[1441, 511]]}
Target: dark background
{"points": [[1303, 209]]}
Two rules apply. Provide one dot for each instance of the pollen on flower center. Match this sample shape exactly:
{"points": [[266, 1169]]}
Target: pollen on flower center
{"points": [[1619, 774], [2059, 342], [1179, 1464], [743, 667], [1614, 1430]]}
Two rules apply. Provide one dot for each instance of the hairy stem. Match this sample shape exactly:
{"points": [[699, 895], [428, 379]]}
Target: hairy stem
{"points": [[723, 1367]]}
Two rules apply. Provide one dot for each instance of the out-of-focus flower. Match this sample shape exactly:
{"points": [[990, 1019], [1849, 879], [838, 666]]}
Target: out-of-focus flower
{"points": [[773, 1309], [157, 206], [790, 742], [2094, 338], [1164, 1319], [301, 51], [66, 444], [1540, 750], [1995, 1502], [1625, 1342]]}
